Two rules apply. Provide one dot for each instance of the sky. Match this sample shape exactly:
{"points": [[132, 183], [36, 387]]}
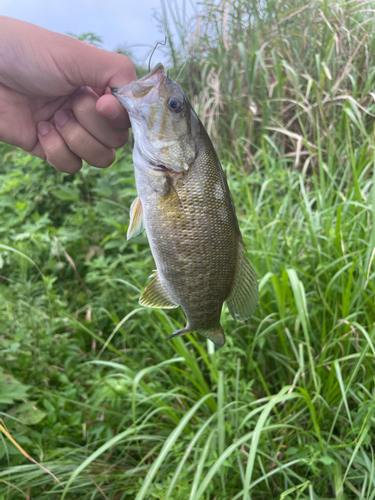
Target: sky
{"points": [[126, 23]]}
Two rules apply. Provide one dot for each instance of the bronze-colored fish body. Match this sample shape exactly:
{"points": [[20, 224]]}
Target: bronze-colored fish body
{"points": [[186, 208]]}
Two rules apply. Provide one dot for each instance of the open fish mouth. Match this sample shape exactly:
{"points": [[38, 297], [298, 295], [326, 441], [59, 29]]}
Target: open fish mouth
{"points": [[143, 86], [156, 75]]}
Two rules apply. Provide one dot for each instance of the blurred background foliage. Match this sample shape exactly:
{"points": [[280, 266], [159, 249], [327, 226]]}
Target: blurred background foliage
{"points": [[88, 386]]}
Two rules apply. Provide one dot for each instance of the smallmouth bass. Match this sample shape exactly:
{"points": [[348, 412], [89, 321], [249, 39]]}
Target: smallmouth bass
{"points": [[185, 205]]}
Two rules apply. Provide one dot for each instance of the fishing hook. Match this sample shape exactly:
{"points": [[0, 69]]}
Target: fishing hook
{"points": [[152, 53]]}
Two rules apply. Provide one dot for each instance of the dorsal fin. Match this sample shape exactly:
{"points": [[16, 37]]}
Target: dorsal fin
{"points": [[156, 295], [243, 298], [136, 219]]}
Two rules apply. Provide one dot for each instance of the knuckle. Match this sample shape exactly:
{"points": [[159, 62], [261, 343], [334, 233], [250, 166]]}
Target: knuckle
{"points": [[71, 169], [62, 160], [105, 160], [41, 155], [74, 139], [126, 64], [118, 140], [84, 103], [57, 154], [67, 166], [38, 151], [53, 146]]}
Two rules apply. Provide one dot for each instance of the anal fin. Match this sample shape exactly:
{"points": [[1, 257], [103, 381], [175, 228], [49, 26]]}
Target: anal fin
{"points": [[216, 335], [156, 295], [136, 219], [243, 298]]}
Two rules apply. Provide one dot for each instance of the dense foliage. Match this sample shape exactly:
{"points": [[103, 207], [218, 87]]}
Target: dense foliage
{"points": [[90, 390]]}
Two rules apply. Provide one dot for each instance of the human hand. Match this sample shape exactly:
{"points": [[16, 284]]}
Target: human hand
{"points": [[55, 100]]}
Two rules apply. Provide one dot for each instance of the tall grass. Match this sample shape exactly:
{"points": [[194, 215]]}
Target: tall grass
{"points": [[286, 409], [289, 71]]}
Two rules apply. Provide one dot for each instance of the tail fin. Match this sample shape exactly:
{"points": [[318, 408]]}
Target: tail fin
{"points": [[243, 298], [216, 335]]}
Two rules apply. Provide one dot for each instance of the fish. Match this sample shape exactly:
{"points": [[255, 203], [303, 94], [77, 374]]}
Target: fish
{"points": [[187, 210]]}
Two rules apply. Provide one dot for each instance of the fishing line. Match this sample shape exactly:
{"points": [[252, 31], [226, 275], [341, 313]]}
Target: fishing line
{"points": [[152, 53], [181, 70]]}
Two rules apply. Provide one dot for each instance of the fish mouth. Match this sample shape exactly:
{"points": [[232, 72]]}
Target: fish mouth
{"points": [[140, 88], [156, 75]]}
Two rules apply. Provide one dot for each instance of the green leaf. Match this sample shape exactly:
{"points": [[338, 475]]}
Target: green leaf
{"points": [[292, 450], [11, 389], [29, 414]]}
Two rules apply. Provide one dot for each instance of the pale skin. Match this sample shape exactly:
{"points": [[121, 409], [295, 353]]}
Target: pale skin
{"points": [[55, 99]]}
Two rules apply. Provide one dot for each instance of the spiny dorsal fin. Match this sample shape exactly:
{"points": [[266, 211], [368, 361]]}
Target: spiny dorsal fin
{"points": [[156, 295], [243, 297], [136, 219]]}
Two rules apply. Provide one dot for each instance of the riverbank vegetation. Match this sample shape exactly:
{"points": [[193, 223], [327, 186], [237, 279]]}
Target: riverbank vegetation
{"points": [[88, 386]]}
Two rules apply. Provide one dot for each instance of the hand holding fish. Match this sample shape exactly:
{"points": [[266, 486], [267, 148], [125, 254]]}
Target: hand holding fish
{"points": [[55, 100]]}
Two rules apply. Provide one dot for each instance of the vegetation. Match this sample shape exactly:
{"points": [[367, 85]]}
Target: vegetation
{"points": [[89, 388]]}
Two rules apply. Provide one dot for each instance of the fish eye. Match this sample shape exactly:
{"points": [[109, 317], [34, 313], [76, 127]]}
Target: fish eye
{"points": [[175, 104]]}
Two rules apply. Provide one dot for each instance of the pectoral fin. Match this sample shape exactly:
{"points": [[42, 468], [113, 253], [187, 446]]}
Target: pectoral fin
{"points": [[136, 219], [156, 295], [243, 298]]}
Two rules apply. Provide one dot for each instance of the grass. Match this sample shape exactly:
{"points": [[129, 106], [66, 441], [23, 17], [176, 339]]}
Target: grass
{"points": [[90, 389]]}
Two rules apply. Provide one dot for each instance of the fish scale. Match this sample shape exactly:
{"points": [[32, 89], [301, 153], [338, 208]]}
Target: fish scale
{"points": [[185, 206]]}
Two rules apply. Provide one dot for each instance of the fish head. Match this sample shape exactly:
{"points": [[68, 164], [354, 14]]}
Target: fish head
{"points": [[163, 122]]}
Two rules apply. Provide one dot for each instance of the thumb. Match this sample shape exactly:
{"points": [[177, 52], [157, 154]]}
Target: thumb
{"points": [[95, 67], [36, 61]]}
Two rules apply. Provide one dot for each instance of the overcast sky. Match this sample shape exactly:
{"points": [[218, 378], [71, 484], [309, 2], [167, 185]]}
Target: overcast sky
{"points": [[117, 22]]}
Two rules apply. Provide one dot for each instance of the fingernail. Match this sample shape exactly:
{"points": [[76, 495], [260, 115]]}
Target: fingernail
{"points": [[110, 112], [61, 117], [43, 128]]}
